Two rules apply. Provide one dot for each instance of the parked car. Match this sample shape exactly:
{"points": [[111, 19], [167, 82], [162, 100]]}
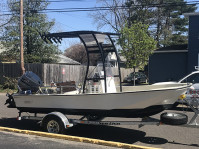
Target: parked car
{"points": [[140, 77], [192, 93], [191, 96]]}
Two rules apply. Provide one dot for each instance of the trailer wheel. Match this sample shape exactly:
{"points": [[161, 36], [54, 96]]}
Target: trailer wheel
{"points": [[174, 118], [53, 124]]}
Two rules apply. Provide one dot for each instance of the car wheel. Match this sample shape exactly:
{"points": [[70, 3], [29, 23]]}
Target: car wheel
{"points": [[173, 118], [138, 81]]}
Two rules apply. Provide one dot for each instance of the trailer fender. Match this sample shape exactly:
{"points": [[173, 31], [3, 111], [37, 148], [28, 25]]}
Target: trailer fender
{"points": [[61, 116]]}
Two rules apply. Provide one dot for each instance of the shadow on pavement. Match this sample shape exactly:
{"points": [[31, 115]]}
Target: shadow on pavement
{"points": [[24, 124], [154, 140], [194, 145], [108, 133]]}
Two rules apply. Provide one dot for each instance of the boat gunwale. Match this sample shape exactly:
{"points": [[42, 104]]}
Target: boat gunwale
{"points": [[124, 92]]}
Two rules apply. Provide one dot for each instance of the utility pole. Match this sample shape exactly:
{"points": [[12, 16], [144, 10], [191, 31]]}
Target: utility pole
{"points": [[21, 37]]}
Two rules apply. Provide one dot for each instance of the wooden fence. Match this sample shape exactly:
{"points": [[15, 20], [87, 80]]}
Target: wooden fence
{"points": [[52, 72], [13, 70]]}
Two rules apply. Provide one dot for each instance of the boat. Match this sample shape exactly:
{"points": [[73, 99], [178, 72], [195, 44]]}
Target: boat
{"points": [[99, 95]]}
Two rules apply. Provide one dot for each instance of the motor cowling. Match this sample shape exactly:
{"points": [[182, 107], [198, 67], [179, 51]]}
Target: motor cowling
{"points": [[29, 82]]}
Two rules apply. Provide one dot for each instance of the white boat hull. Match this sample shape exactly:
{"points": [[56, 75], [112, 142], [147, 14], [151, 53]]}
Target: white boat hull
{"points": [[106, 103]]}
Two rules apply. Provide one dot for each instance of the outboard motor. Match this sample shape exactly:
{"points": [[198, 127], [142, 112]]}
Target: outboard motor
{"points": [[29, 82]]}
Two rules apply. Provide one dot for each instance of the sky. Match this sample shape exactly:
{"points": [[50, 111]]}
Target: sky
{"points": [[70, 21], [65, 21]]}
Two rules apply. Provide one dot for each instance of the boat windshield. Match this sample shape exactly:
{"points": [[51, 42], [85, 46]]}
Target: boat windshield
{"points": [[99, 70]]}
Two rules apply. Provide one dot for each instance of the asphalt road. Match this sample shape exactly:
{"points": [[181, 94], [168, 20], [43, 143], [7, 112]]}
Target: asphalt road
{"points": [[20, 141], [165, 136]]}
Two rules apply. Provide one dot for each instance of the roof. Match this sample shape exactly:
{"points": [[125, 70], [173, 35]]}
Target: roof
{"points": [[2, 48], [122, 58], [191, 14], [173, 49], [65, 60]]}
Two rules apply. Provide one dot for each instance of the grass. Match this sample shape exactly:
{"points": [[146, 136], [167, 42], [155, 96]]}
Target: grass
{"points": [[7, 90]]}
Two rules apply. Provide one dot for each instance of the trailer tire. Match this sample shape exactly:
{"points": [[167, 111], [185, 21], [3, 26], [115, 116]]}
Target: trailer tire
{"points": [[53, 124], [173, 118]]}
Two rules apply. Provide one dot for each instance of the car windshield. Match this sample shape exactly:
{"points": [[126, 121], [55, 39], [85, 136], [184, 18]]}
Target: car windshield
{"points": [[192, 79]]}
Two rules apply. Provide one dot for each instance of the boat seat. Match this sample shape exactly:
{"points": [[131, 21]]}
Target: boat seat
{"points": [[67, 86]]}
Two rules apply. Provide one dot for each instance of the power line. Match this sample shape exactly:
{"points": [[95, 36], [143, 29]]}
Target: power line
{"points": [[57, 1], [107, 8], [122, 7], [146, 4], [6, 14]]}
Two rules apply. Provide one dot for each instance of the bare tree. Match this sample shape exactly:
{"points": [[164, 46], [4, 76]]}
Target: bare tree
{"points": [[76, 52], [114, 17], [164, 17]]}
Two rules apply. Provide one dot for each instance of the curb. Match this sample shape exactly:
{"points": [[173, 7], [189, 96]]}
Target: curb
{"points": [[77, 139]]}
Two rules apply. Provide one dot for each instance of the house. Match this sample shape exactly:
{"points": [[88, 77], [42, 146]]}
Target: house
{"points": [[193, 41], [67, 61], [173, 62], [168, 64], [113, 60], [2, 48]]}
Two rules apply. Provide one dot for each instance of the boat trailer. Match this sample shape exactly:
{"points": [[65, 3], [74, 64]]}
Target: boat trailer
{"points": [[57, 122]]}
